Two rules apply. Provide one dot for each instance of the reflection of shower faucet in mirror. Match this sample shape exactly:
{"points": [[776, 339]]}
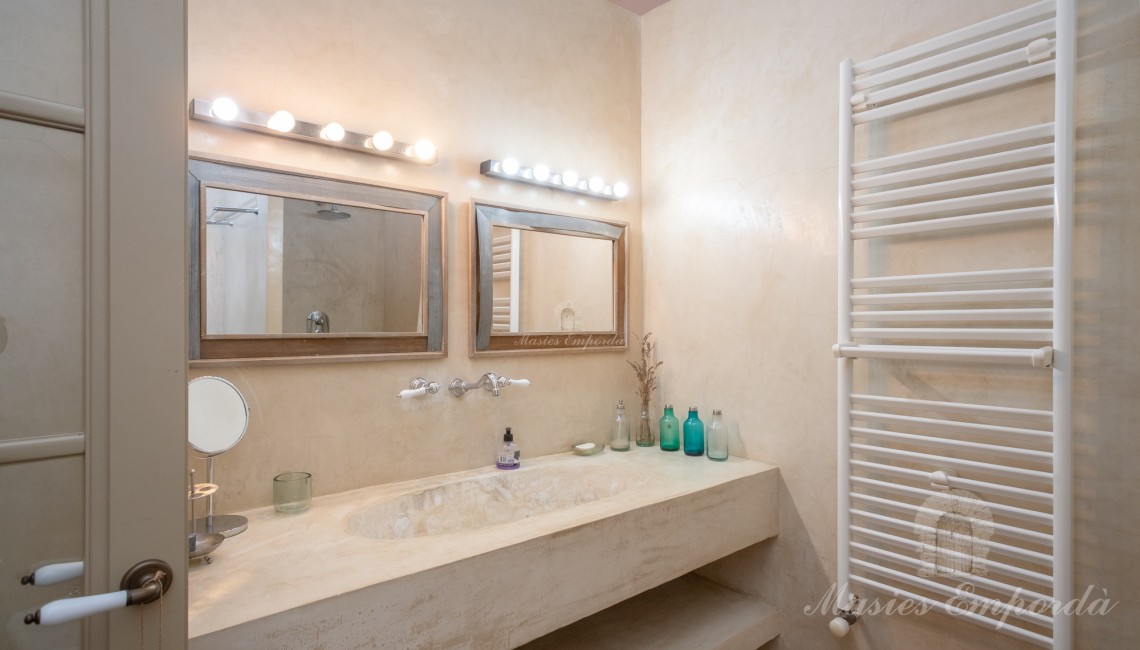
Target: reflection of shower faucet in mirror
{"points": [[217, 419], [318, 323]]}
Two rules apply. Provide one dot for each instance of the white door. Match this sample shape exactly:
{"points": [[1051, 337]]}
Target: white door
{"points": [[92, 311]]}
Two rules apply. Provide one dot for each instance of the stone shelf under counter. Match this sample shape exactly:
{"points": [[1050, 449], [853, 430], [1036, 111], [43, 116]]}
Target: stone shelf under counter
{"points": [[683, 614], [303, 581]]}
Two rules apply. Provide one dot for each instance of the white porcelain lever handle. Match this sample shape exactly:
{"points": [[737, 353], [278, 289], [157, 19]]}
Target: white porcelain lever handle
{"points": [[70, 609], [143, 583], [51, 574], [520, 382], [419, 387]]}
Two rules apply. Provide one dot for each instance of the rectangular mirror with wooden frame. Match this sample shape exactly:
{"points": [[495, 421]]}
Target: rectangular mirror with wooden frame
{"points": [[288, 267], [545, 283]]}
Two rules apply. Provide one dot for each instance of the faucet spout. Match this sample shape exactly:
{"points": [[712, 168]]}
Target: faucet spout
{"points": [[491, 382]]}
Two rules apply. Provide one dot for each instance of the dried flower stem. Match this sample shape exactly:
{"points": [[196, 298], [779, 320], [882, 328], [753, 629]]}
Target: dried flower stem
{"points": [[646, 370]]}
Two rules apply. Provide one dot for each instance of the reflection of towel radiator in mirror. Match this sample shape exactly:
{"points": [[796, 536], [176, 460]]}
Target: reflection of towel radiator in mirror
{"points": [[505, 268], [937, 493]]}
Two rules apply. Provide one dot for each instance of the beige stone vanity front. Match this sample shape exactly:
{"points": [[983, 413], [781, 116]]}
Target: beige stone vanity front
{"points": [[309, 581]]}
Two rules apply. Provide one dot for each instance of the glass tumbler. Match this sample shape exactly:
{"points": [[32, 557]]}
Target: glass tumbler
{"points": [[292, 492]]}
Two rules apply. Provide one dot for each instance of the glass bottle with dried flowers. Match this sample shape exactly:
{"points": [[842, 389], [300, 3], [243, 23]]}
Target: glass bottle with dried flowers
{"points": [[646, 370]]}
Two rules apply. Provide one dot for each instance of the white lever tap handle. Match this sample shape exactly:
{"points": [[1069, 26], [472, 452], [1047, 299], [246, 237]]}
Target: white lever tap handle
{"points": [[70, 609], [412, 392], [51, 574], [520, 382]]}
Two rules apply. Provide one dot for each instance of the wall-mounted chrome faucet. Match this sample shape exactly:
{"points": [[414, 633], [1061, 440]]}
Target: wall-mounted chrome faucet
{"points": [[489, 381], [317, 323], [419, 387]]}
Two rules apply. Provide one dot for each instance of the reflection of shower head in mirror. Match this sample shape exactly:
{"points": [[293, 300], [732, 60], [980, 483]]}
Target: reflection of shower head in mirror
{"points": [[332, 213]]}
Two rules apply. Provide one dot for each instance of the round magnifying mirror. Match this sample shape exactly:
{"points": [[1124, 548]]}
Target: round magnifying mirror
{"points": [[217, 415]]}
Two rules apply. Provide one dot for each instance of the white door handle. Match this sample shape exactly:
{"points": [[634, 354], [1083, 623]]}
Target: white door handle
{"points": [[143, 583], [70, 609], [51, 574]]}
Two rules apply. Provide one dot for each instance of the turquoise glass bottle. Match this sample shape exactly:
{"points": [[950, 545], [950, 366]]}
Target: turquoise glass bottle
{"points": [[669, 430], [694, 432]]}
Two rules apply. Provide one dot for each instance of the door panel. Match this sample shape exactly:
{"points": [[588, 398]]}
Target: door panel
{"points": [[41, 371], [93, 300], [43, 522], [41, 49], [41, 297]]}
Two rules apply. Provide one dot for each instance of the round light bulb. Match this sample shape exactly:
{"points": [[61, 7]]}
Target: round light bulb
{"points": [[425, 150], [281, 121], [224, 108], [621, 190], [596, 184], [382, 141], [333, 132], [541, 173], [570, 178], [510, 166]]}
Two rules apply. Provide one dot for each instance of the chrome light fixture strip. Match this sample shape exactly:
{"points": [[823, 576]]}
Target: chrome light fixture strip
{"points": [[553, 181], [256, 121]]}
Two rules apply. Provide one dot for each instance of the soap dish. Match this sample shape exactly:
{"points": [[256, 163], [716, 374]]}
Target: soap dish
{"points": [[588, 449]]}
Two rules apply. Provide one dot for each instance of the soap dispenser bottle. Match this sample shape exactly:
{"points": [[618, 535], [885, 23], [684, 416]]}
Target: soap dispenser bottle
{"points": [[509, 455], [619, 438]]}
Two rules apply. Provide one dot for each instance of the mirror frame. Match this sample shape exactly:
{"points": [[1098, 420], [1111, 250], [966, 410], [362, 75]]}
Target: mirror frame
{"points": [[485, 215], [212, 350]]}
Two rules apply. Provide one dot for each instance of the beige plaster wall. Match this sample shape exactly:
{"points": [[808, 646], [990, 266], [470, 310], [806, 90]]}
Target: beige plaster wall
{"points": [[554, 82], [739, 165]]}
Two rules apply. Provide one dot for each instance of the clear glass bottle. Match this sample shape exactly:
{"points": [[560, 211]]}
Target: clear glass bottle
{"points": [[669, 428], [717, 444], [645, 428], [619, 438], [694, 434]]}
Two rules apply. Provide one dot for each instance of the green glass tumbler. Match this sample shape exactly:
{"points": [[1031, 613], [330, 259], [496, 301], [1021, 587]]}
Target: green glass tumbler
{"points": [[292, 492]]}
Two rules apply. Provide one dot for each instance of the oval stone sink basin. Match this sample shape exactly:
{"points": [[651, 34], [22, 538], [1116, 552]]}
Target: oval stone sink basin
{"points": [[488, 500]]}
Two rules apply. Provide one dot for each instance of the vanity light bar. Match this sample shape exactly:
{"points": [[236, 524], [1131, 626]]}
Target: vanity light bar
{"points": [[226, 112], [568, 181]]}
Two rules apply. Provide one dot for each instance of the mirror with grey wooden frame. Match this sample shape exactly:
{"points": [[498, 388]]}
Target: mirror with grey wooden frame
{"points": [[292, 267], [543, 282]]}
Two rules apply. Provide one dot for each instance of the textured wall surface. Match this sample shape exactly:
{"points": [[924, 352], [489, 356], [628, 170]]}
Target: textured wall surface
{"points": [[739, 164], [547, 82]]}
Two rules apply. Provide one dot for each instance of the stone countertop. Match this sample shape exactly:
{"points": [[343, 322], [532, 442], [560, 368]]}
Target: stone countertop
{"points": [[286, 561]]}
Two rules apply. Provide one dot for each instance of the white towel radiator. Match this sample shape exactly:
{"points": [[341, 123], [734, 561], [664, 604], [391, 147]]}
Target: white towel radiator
{"points": [[932, 493]]}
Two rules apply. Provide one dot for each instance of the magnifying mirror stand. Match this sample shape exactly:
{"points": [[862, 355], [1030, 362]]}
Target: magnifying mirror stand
{"points": [[227, 525]]}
